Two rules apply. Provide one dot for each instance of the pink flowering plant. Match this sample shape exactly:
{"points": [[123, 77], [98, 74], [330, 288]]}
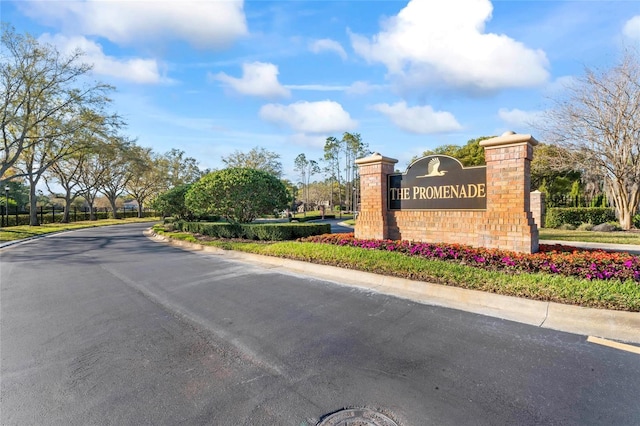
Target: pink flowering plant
{"points": [[551, 259]]}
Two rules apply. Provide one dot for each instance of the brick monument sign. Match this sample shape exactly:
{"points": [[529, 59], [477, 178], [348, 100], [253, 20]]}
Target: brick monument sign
{"points": [[439, 200]]}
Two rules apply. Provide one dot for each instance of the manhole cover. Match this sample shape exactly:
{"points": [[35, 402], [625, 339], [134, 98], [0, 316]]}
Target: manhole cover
{"points": [[357, 417]]}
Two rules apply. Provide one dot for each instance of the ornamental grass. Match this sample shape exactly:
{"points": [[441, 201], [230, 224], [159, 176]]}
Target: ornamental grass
{"points": [[555, 259]]}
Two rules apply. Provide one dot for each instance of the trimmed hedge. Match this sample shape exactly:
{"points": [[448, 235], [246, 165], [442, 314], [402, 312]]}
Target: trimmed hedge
{"points": [[254, 231], [576, 216], [312, 217]]}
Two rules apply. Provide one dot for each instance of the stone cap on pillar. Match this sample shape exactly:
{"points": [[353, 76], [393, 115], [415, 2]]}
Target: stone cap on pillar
{"points": [[376, 157], [509, 138]]}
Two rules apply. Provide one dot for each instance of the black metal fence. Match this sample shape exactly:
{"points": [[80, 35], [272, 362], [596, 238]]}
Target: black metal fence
{"points": [[16, 217], [575, 201]]}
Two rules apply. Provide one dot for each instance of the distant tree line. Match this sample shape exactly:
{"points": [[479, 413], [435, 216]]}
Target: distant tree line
{"points": [[57, 130]]}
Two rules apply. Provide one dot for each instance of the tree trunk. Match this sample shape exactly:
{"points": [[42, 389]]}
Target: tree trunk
{"points": [[67, 208], [114, 209], [33, 206], [140, 212], [625, 220]]}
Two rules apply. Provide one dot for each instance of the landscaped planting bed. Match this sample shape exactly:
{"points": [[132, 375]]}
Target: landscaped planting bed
{"points": [[552, 259]]}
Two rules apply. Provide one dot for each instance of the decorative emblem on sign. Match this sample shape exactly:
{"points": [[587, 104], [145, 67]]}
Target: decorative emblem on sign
{"points": [[433, 168], [450, 186]]}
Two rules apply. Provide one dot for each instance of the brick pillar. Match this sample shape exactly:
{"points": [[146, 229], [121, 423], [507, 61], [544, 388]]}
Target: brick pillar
{"points": [[538, 208], [372, 219], [510, 224]]}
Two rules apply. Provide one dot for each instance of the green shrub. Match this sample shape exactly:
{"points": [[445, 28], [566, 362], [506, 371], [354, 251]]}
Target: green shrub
{"points": [[557, 216], [313, 217], [585, 226], [254, 231], [171, 202], [567, 227]]}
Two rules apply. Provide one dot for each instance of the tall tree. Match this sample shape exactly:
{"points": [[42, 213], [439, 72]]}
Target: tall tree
{"points": [[332, 168], [147, 176], [597, 120], [66, 170], [89, 180], [65, 173], [42, 95], [181, 170], [340, 156], [119, 157], [39, 157], [354, 148], [258, 159], [306, 169]]}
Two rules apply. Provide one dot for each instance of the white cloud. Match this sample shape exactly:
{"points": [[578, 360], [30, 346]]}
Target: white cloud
{"points": [[328, 45], [309, 141], [136, 70], [362, 88], [258, 79], [309, 117], [356, 88], [519, 119], [420, 119], [444, 42], [632, 28], [201, 23], [317, 87]]}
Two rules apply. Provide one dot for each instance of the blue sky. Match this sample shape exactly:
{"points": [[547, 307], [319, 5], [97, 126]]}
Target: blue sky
{"points": [[212, 77]]}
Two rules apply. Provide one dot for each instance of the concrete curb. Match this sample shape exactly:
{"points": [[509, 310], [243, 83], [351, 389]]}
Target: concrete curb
{"points": [[608, 324], [6, 244]]}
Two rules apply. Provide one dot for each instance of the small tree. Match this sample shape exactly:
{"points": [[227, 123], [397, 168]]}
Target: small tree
{"points": [[470, 154], [239, 195]]}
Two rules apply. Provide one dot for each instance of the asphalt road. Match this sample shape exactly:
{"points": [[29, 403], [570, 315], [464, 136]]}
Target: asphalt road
{"points": [[105, 327]]}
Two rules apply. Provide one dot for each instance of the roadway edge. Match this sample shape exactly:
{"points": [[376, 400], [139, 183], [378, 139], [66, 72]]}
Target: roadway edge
{"points": [[609, 324]]}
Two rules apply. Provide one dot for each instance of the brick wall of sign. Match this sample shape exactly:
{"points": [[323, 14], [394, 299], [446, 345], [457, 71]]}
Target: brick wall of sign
{"points": [[538, 208], [507, 223]]}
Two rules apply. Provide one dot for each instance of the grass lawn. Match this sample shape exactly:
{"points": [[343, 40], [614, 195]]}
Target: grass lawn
{"points": [[19, 232], [619, 237]]}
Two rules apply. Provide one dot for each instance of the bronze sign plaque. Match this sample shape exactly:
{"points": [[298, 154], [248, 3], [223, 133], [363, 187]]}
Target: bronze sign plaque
{"points": [[438, 182]]}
